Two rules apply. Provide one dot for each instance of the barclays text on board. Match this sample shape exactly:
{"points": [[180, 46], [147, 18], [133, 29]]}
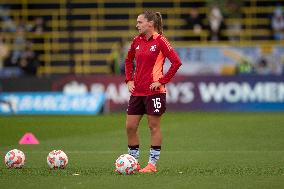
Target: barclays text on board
{"points": [[197, 93], [53, 103]]}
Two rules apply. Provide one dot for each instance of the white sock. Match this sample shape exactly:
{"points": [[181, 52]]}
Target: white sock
{"points": [[154, 154]]}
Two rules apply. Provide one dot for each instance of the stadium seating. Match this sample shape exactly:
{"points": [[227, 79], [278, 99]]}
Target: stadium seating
{"points": [[84, 35]]}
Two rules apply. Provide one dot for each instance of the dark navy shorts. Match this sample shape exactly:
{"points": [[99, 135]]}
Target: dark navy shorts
{"points": [[150, 105]]}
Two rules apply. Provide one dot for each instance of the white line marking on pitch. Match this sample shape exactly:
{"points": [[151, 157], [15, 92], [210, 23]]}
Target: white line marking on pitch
{"points": [[112, 152]]}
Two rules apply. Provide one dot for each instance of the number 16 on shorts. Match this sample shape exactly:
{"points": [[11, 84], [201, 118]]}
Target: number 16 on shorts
{"points": [[158, 104]]}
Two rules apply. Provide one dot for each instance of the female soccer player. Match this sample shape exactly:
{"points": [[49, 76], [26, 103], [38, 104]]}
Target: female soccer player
{"points": [[147, 83]]}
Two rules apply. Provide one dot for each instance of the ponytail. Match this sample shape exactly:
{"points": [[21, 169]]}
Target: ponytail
{"points": [[159, 25]]}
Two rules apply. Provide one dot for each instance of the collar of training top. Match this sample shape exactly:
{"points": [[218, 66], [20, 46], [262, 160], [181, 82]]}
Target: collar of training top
{"points": [[154, 36]]}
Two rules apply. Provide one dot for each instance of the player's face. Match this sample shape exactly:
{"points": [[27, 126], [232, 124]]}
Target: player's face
{"points": [[143, 25]]}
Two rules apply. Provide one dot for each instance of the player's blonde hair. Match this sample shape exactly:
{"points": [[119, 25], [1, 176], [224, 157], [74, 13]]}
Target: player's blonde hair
{"points": [[156, 17]]}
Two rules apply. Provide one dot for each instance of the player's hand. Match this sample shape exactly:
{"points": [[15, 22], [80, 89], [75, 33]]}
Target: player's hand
{"points": [[130, 85], [155, 86]]}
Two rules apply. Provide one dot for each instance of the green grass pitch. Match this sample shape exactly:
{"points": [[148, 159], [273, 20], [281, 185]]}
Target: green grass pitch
{"points": [[200, 150]]}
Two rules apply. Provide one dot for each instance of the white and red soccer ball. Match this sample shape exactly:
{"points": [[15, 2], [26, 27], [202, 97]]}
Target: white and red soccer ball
{"points": [[57, 159], [15, 159], [126, 164]]}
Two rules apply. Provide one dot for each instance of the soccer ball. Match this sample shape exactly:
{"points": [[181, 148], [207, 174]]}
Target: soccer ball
{"points": [[15, 159], [126, 164], [57, 159]]}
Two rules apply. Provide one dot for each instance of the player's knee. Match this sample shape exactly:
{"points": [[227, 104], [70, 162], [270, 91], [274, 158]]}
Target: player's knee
{"points": [[154, 127], [131, 128]]}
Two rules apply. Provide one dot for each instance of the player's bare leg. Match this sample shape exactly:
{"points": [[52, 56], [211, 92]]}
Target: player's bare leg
{"points": [[154, 123], [132, 123]]}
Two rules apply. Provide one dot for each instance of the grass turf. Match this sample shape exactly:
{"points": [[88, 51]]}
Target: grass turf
{"points": [[200, 150]]}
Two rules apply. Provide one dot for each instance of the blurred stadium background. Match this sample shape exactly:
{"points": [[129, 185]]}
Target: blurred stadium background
{"points": [[233, 47]]}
